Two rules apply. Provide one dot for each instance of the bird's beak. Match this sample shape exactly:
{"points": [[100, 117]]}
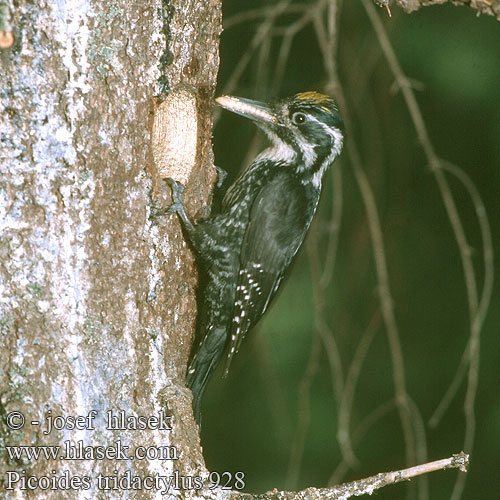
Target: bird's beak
{"points": [[255, 110]]}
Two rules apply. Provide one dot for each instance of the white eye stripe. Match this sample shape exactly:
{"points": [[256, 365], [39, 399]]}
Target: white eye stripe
{"points": [[334, 133], [310, 156], [307, 149]]}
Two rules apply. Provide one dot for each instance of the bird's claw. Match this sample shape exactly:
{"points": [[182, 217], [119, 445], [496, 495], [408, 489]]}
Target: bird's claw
{"points": [[177, 190], [175, 207]]}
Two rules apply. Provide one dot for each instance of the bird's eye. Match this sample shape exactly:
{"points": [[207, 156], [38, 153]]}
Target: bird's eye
{"points": [[298, 118]]}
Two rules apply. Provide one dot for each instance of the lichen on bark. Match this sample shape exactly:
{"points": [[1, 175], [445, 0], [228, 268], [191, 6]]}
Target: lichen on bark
{"points": [[97, 303]]}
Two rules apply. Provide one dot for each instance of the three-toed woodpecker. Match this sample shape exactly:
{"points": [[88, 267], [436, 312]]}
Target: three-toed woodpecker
{"points": [[246, 249]]}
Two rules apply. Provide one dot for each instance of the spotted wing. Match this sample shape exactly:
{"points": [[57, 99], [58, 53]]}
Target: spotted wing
{"points": [[279, 219]]}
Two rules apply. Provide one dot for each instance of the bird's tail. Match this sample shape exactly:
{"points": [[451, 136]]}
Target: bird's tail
{"points": [[204, 362]]}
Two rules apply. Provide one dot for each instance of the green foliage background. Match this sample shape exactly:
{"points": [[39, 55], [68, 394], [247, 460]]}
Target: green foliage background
{"points": [[250, 418]]}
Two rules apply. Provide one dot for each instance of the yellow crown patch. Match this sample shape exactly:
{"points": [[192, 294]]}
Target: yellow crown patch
{"points": [[316, 98]]}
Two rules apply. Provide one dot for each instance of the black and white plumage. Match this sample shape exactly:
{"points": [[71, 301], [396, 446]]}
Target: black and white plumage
{"points": [[246, 249]]}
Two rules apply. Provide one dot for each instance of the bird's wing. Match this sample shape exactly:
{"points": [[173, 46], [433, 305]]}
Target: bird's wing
{"points": [[278, 223]]}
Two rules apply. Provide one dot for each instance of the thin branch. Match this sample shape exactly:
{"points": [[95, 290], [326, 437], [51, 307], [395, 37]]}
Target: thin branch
{"points": [[323, 14], [261, 12], [275, 393], [326, 334], [387, 309], [359, 433], [288, 33], [477, 308], [346, 401], [303, 391], [333, 227], [487, 290], [368, 485], [386, 302], [260, 35]]}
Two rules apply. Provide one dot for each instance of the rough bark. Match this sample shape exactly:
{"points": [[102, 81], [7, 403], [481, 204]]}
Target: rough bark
{"points": [[97, 303]]}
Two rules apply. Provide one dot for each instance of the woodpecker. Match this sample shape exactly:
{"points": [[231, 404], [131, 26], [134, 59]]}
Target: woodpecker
{"points": [[246, 248]]}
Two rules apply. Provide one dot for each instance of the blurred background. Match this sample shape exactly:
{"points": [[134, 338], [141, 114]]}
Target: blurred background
{"points": [[392, 296]]}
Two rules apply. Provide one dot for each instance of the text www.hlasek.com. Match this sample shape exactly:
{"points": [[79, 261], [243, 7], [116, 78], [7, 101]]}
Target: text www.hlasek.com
{"points": [[78, 451]]}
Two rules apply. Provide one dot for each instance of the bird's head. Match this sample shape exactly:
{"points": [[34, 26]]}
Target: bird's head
{"points": [[304, 129]]}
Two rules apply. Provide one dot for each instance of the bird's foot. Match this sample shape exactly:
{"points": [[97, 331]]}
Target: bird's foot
{"points": [[176, 206], [177, 190]]}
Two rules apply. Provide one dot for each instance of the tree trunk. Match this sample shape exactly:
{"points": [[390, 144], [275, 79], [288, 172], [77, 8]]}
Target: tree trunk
{"points": [[97, 303]]}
